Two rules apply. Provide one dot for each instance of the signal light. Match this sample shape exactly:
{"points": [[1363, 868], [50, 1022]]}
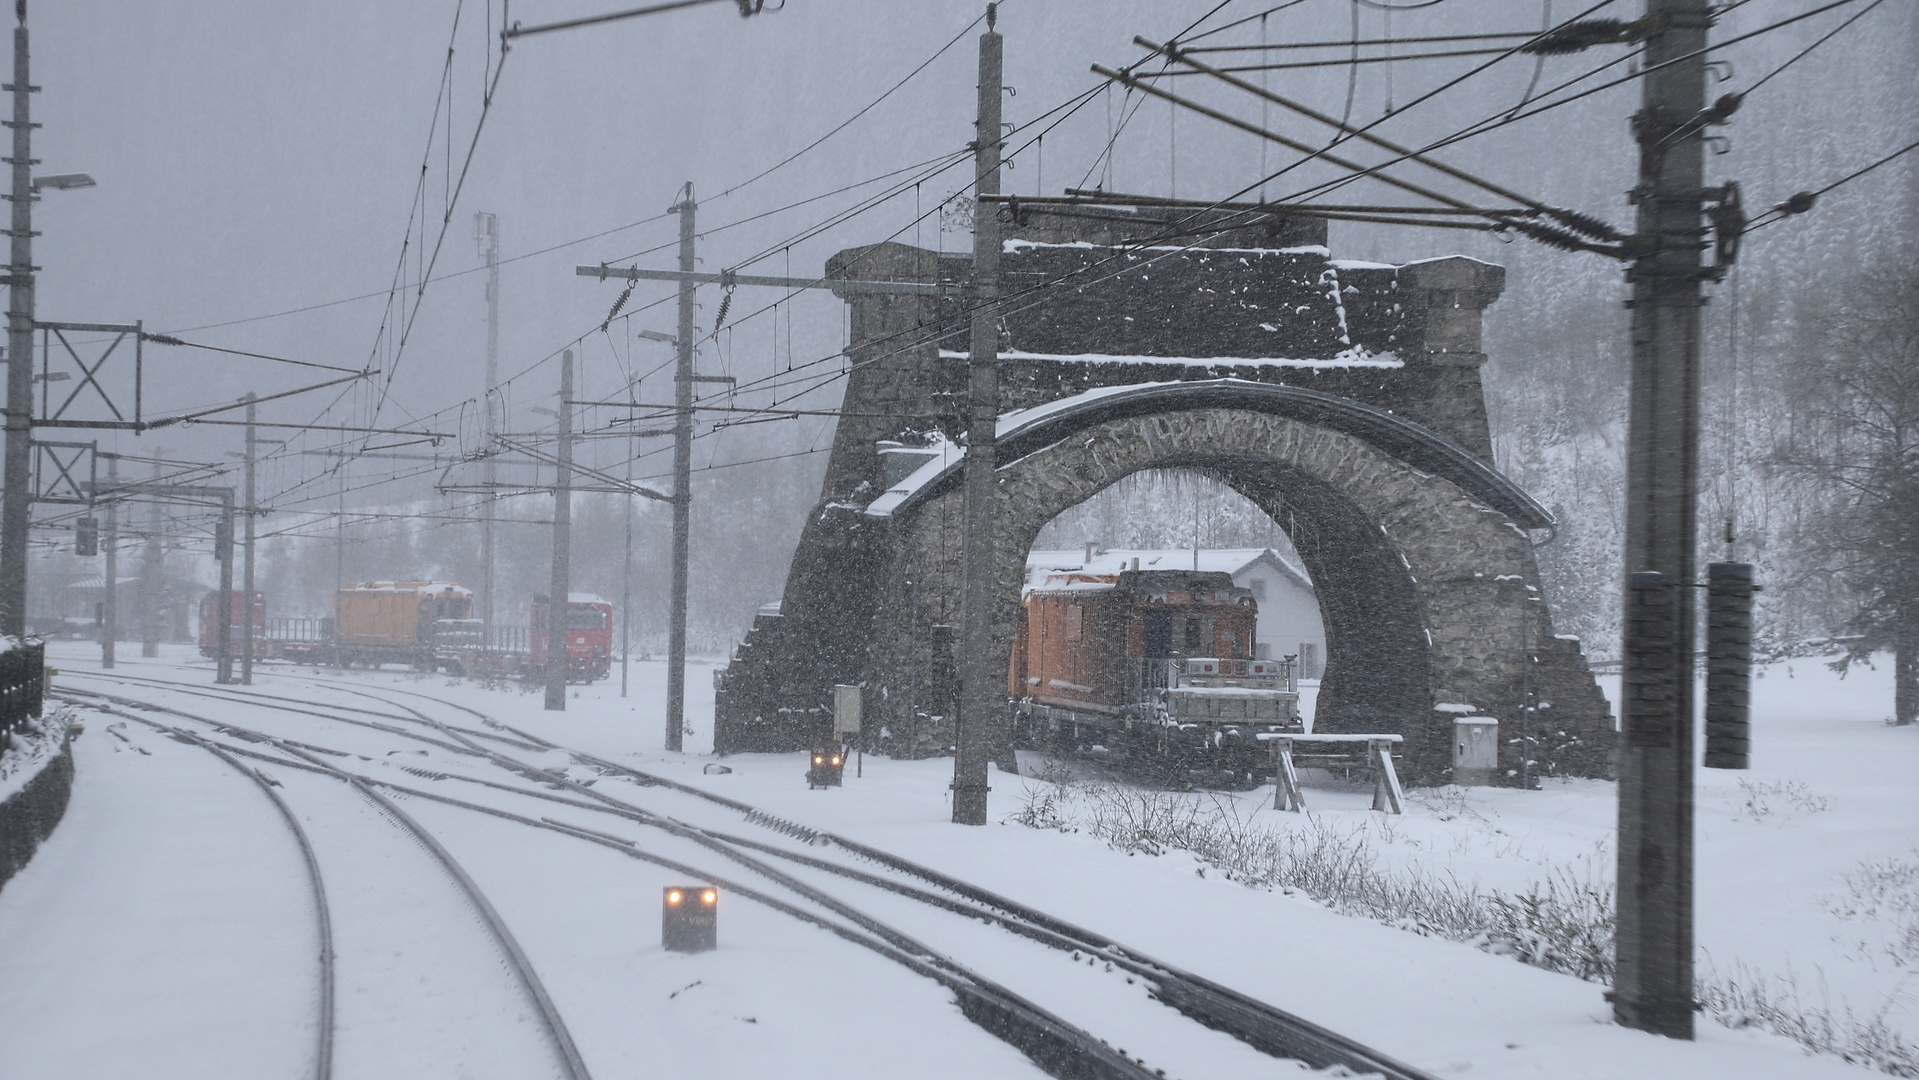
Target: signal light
{"points": [[86, 537], [223, 540], [1729, 590], [689, 927]]}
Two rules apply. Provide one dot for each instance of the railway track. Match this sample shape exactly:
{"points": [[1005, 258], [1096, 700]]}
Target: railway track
{"points": [[806, 869], [553, 1029]]}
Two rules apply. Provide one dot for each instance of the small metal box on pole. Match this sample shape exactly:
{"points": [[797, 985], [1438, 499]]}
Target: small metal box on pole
{"points": [[689, 918], [1475, 750]]}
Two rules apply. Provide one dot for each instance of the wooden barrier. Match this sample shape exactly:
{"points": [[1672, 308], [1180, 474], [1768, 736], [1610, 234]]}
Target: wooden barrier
{"points": [[1368, 751]]}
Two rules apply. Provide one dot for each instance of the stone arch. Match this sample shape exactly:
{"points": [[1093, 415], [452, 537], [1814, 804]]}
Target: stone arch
{"points": [[1419, 577]]}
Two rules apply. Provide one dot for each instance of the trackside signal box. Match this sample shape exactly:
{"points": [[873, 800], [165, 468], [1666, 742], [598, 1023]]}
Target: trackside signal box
{"points": [[689, 918]]}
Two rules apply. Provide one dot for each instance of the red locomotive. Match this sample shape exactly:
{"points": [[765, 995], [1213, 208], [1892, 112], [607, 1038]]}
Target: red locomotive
{"points": [[589, 637], [210, 622]]}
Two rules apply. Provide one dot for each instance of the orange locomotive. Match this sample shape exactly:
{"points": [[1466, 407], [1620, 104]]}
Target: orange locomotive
{"points": [[1153, 662]]}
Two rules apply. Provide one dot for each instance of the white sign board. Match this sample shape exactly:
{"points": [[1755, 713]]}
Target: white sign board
{"points": [[846, 709]]}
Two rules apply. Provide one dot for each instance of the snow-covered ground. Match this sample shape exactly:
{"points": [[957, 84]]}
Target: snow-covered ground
{"points": [[165, 929]]}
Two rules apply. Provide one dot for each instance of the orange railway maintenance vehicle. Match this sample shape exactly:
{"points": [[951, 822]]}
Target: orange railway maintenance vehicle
{"points": [[1155, 664]]}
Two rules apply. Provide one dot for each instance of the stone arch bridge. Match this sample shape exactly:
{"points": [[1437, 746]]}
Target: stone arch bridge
{"points": [[1342, 398]]}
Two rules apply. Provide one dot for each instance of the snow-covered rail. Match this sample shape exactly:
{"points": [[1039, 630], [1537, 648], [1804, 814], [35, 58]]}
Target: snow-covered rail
{"points": [[1060, 1047], [306, 758], [323, 1051]]}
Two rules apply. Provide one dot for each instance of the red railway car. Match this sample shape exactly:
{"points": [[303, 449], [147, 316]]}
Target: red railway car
{"points": [[589, 637], [210, 622]]}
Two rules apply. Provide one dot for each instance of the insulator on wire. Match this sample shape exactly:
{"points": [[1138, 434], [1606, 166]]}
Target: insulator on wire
{"points": [[617, 305], [1729, 591], [1583, 223]]}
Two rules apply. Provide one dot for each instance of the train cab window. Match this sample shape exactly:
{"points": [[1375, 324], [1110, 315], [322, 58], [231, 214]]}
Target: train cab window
{"points": [[1192, 634], [585, 618], [1159, 635]]}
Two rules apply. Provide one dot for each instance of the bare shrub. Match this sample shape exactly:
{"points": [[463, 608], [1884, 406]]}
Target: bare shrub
{"points": [[1563, 924], [1761, 799], [1748, 998], [1885, 895]]}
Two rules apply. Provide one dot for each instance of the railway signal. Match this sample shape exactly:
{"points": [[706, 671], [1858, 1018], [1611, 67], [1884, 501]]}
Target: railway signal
{"points": [[86, 537], [689, 918]]}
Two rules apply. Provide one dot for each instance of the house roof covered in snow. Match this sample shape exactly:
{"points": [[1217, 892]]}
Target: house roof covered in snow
{"points": [[1047, 567]]}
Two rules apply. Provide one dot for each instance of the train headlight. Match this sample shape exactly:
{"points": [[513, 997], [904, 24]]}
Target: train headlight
{"points": [[689, 927], [817, 759], [836, 759]]}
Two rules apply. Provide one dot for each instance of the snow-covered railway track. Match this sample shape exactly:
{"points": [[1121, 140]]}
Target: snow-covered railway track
{"points": [[1253, 1023], [316, 884], [1058, 1047], [382, 934]]}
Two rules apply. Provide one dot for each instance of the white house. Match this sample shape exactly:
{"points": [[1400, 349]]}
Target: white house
{"points": [[1289, 623]]}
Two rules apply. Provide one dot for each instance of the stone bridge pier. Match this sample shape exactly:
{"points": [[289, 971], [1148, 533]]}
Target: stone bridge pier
{"points": [[1341, 398]]}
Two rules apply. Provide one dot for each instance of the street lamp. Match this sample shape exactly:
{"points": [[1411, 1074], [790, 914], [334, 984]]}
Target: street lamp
{"points": [[63, 181]]}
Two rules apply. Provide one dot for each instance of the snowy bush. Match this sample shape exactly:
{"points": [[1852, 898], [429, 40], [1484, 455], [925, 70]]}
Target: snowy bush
{"points": [[1748, 998], [1563, 924], [1885, 896], [30, 744], [1763, 799]]}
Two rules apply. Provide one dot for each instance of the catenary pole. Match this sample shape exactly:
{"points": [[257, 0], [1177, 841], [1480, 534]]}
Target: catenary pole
{"points": [[1653, 986], [110, 604], [983, 674], [246, 577], [223, 553], [487, 227], [150, 571], [15, 514], [560, 585], [682, 484]]}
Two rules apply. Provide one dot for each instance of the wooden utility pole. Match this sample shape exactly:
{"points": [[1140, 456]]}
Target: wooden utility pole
{"points": [[561, 583], [1653, 986], [682, 484], [982, 673]]}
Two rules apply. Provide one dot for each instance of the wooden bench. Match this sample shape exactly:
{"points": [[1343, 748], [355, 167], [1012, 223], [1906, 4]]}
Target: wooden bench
{"points": [[1374, 752]]}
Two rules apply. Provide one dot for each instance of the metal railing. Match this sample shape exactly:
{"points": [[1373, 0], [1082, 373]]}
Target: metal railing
{"points": [[23, 682], [298, 629]]}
